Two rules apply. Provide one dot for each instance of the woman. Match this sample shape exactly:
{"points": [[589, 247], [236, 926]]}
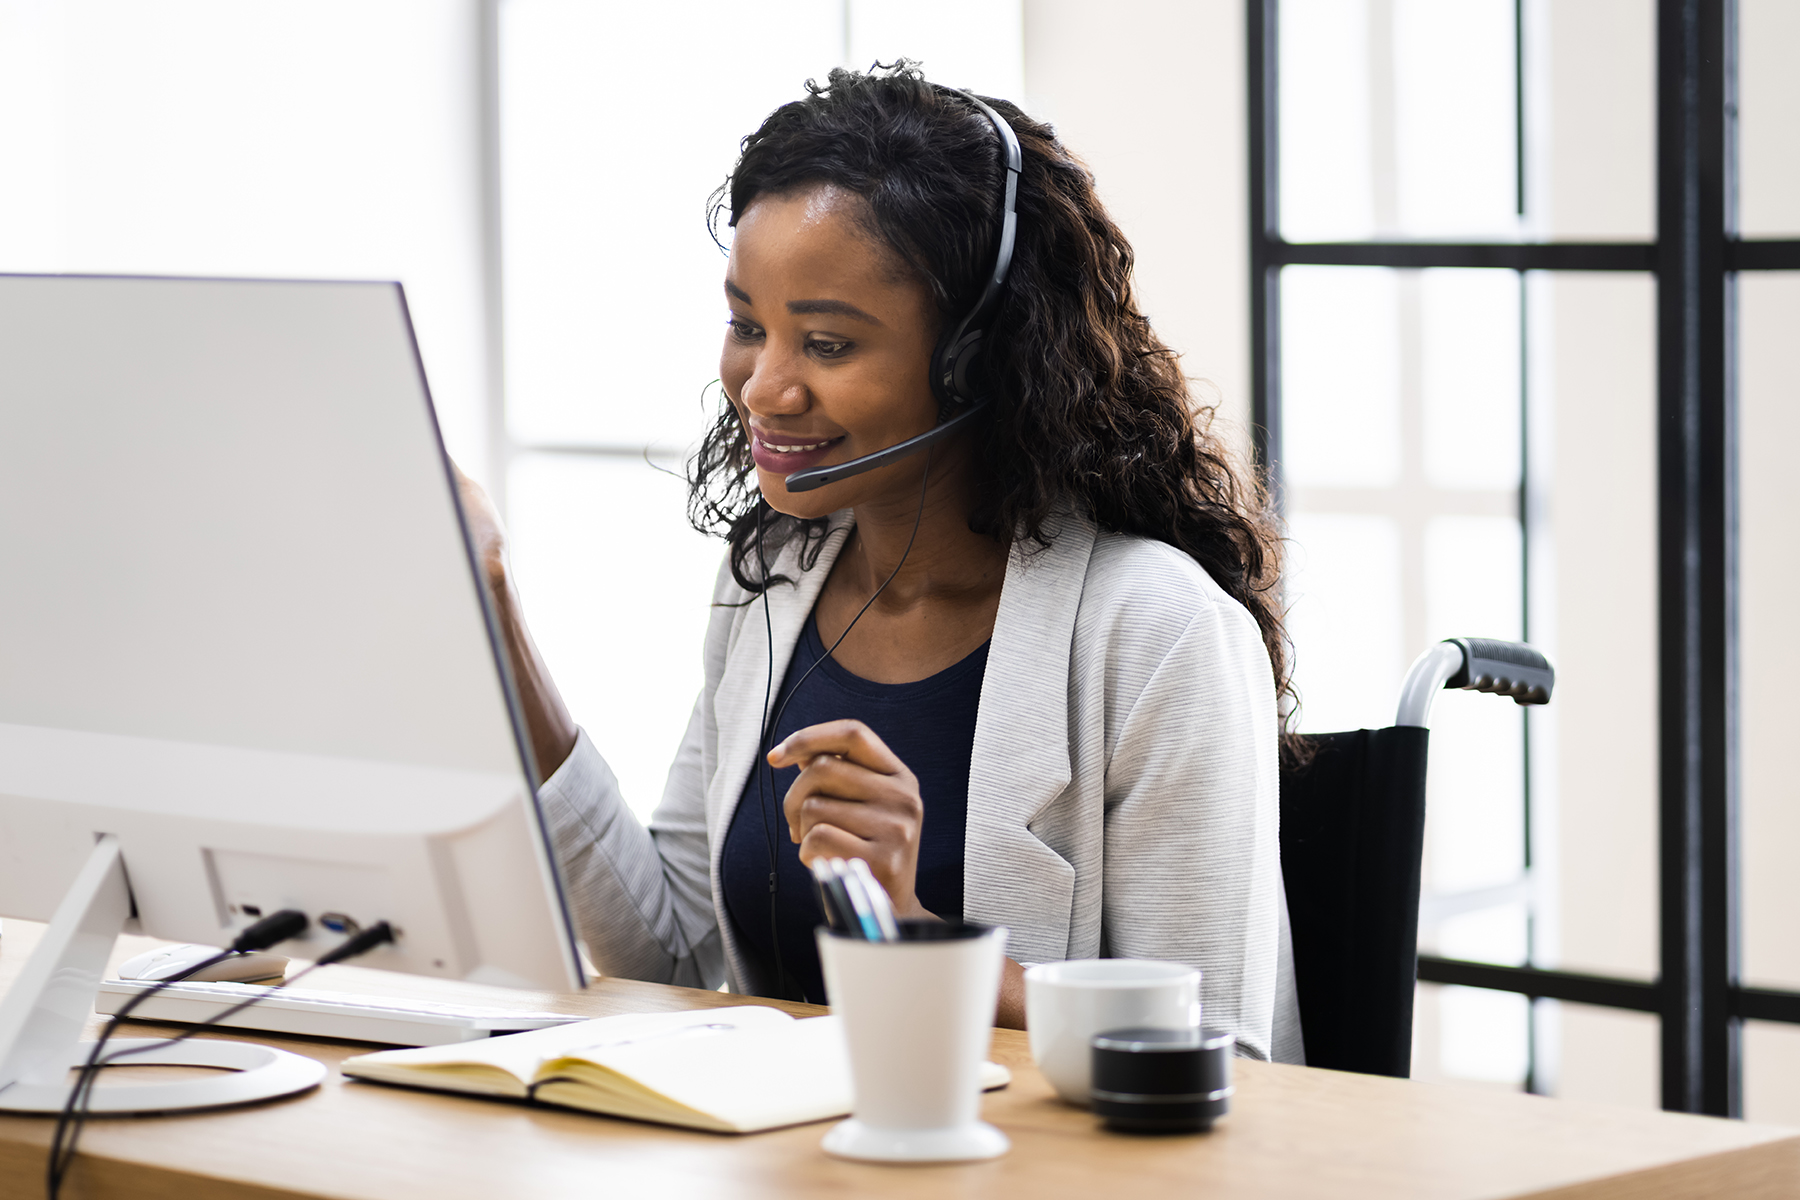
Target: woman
{"points": [[1038, 665]]}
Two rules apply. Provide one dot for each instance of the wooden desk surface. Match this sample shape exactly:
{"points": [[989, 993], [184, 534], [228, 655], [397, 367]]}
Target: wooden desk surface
{"points": [[1293, 1132]]}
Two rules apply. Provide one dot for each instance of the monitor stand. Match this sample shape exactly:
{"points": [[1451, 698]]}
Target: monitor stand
{"points": [[42, 1016]]}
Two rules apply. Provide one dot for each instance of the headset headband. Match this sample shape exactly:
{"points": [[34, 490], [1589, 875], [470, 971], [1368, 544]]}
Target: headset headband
{"points": [[953, 365], [1009, 217]]}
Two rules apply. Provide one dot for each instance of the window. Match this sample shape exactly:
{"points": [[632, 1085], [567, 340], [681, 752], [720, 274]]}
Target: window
{"points": [[1512, 385]]}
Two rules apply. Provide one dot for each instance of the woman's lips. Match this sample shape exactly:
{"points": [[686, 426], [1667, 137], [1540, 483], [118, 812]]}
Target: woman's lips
{"points": [[783, 454]]}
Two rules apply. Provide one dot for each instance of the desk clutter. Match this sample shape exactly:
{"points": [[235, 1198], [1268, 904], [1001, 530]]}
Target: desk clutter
{"points": [[903, 1054], [724, 1070], [903, 1057]]}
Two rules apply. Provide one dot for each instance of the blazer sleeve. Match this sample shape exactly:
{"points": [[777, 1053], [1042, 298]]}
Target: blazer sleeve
{"points": [[641, 897], [1192, 858]]}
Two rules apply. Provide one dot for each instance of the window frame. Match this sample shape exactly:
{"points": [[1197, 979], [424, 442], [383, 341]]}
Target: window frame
{"points": [[1695, 260]]}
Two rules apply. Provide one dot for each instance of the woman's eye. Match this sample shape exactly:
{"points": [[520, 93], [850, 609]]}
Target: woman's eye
{"points": [[744, 331], [829, 349]]}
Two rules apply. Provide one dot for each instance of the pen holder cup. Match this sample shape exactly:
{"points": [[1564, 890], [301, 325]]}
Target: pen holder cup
{"points": [[918, 1015]]}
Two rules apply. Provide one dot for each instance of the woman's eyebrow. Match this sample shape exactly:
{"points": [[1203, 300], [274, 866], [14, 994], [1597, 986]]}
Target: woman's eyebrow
{"points": [[841, 308], [835, 307]]}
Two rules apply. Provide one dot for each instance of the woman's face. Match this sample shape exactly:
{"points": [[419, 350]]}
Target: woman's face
{"points": [[828, 351]]}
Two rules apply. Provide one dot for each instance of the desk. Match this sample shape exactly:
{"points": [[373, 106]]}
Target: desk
{"points": [[1293, 1133]]}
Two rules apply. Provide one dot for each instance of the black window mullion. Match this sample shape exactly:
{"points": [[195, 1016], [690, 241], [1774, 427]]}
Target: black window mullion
{"points": [[1265, 216], [1739, 255], [1762, 255], [1694, 555], [1514, 256], [1605, 991]]}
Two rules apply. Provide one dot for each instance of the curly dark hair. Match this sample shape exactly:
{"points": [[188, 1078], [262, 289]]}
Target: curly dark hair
{"points": [[1090, 408]]}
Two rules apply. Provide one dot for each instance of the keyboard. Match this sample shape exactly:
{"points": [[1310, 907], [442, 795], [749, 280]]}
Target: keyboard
{"points": [[337, 1015]]}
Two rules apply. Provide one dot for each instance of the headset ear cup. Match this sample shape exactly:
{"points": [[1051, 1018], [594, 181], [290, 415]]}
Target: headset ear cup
{"points": [[960, 374], [943, 373]]}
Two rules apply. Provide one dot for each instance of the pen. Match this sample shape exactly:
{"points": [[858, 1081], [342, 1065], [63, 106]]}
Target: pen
{"points": [[832, 898], [879, 900], [859, 900]]}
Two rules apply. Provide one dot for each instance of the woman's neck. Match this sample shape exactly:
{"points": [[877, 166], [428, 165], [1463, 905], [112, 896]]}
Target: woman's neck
{"points": [[946, 559]]}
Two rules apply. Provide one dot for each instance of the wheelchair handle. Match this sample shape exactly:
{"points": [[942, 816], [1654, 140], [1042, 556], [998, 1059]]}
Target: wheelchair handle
{"points": [[1475, 665]]}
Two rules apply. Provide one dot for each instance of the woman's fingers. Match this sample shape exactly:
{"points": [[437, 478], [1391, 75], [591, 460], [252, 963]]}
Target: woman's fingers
{"points": [[871, 822], [842, 739], [837, 782], [485, 529], [844, 760], [848, 781], [828, 841]]}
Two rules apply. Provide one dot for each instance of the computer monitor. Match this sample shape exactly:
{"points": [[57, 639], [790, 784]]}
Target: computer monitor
{"points": [[242, 632]]}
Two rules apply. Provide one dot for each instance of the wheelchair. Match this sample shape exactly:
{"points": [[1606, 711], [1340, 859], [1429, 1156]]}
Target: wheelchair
{"points": [[1352, 836]]}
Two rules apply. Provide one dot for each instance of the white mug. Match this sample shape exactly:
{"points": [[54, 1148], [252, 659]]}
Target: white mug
{"points": [[1067, 1003], [918, 1014]]}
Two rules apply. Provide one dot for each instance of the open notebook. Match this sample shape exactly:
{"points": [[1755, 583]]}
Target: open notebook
{"points": [[729, 1070]]}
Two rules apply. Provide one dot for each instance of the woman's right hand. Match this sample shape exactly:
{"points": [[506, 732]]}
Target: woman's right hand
{"points": [[485, 530], [547, 718]]}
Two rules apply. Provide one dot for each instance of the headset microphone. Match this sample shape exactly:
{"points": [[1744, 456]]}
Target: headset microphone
{"points": [[818, 477], [955, 365]]}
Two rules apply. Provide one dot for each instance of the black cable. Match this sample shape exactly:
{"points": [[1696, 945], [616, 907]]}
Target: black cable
{"points": [[762, 795], [74, 1113], [769, 728], [277, 927]]}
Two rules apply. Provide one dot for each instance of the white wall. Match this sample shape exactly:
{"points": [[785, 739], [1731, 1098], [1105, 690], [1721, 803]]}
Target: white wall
{"points": [[1150, 94]]}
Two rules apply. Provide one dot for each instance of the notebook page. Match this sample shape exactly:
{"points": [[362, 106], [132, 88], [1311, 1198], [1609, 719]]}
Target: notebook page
{"points": [[764, 1078], [520, 1054], [757, 1078]]}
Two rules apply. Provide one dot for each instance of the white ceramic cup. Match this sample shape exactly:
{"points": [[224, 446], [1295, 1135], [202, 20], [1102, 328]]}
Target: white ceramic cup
{"points": [[1067, 1003], [918, 1015]]}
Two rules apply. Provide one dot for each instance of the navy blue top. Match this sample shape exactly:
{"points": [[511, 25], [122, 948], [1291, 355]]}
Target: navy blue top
{"points": [[929, 724]]}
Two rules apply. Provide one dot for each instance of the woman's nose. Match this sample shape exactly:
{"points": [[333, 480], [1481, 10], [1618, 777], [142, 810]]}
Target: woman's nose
{"points": [[775, 385]]}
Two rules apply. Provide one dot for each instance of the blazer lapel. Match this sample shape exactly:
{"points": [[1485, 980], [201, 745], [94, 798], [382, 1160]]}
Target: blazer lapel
{"points": [[1021, 756]]}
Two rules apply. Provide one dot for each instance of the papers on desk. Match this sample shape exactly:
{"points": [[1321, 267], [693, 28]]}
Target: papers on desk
{"points": [[727, 1070]]}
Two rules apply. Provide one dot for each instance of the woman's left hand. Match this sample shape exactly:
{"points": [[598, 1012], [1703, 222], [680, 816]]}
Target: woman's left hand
{"points": [[855, 799]]}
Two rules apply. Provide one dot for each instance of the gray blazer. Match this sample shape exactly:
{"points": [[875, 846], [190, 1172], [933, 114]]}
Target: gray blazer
{"points": [[1122, 791]]}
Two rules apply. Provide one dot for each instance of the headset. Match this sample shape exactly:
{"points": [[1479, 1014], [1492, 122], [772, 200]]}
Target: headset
{"points": [[956, 381], [956, 363]]}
